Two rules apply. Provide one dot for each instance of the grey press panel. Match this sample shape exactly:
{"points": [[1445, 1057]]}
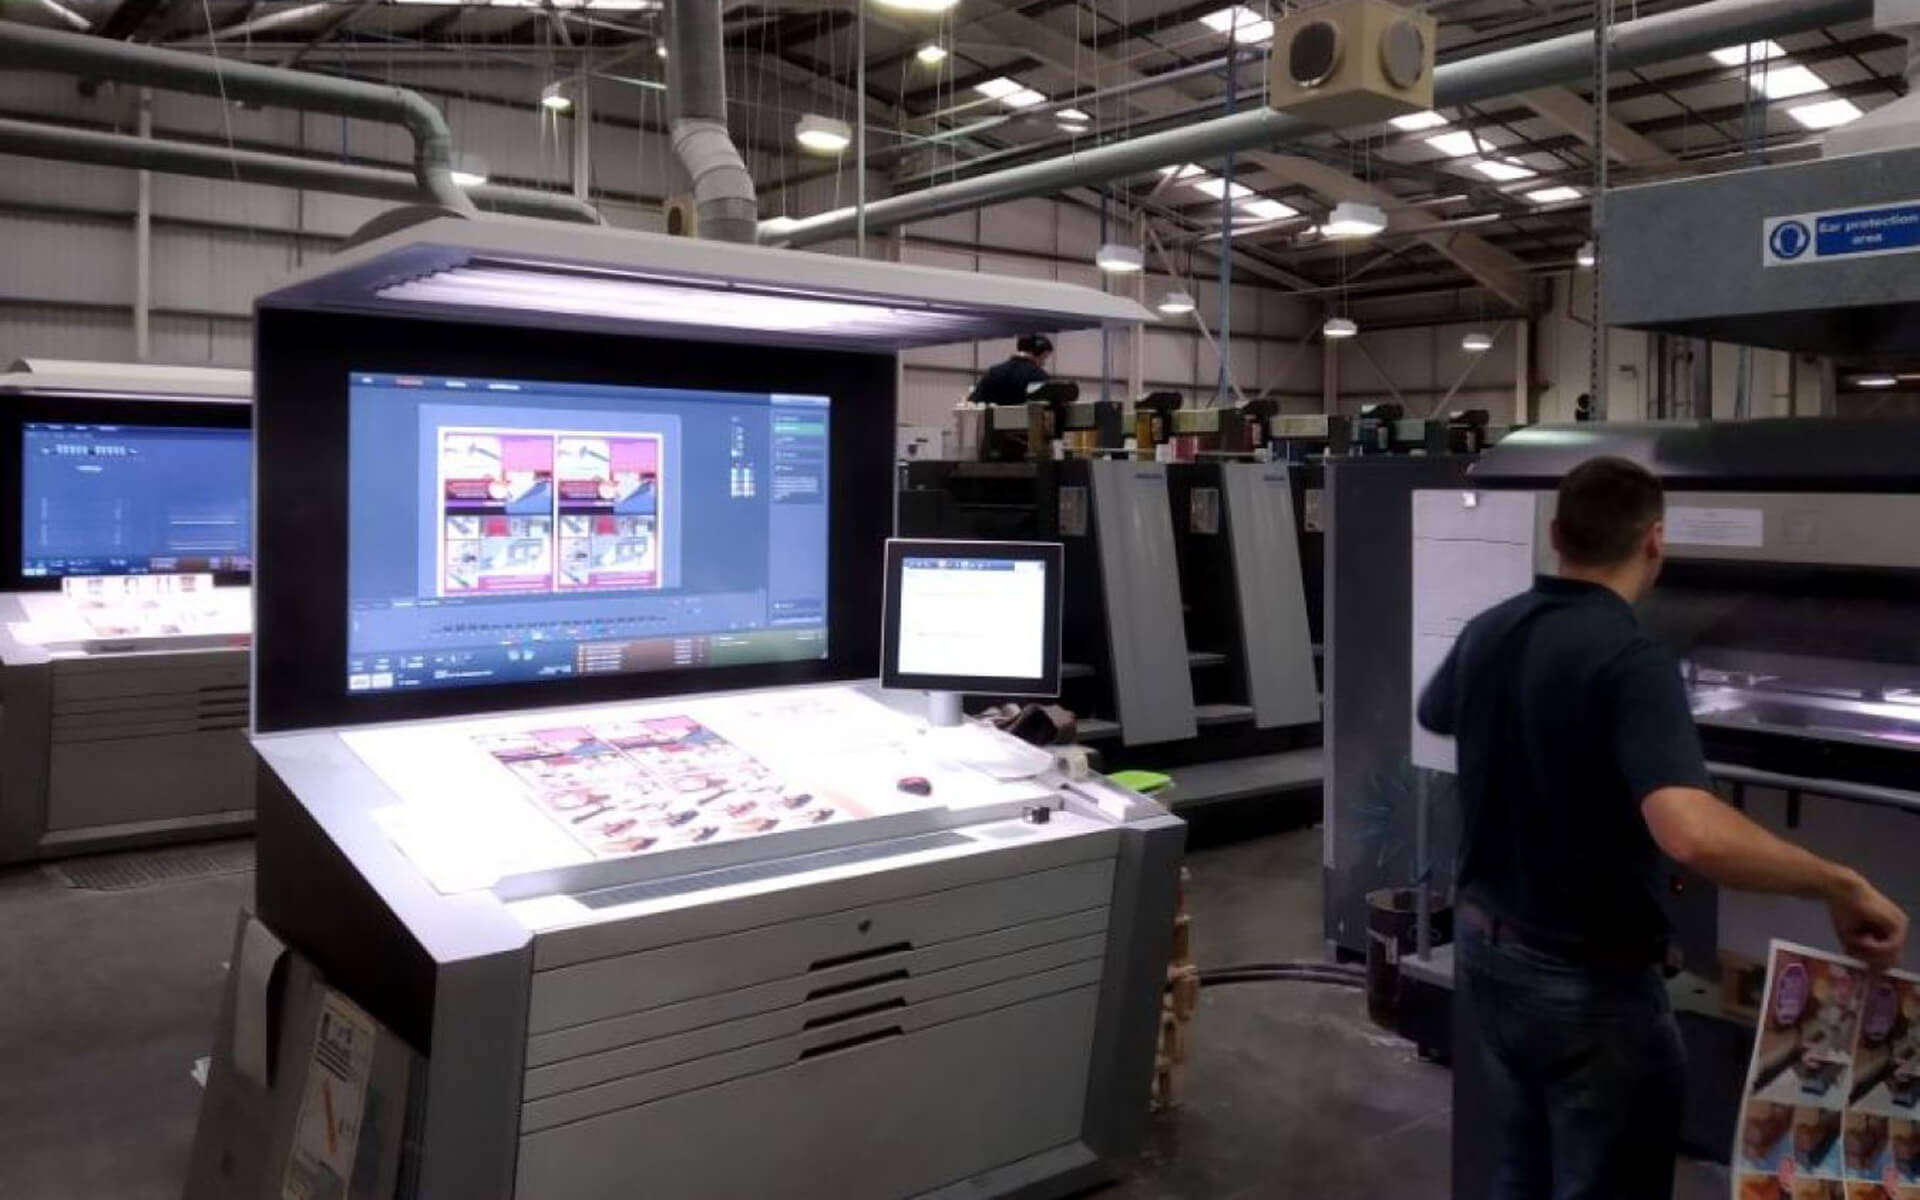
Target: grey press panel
{"points": [[1273, 599], [1140, 579]]}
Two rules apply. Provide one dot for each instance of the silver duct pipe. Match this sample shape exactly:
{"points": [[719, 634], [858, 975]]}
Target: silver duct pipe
{"points": [[248, 166], [27, 48], [697, 112], [1551, 63]]}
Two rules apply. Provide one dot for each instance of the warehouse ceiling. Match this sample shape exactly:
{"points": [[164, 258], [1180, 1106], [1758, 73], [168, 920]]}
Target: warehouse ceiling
{"points": [[1477, 196]]}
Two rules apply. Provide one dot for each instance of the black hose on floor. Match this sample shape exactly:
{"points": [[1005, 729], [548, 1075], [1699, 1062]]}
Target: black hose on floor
{"points": [[1328, 974], [1357, 970]]}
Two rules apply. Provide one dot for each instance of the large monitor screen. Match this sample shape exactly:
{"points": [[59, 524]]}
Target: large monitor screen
{"points": [[117, 499], [507, 531]]}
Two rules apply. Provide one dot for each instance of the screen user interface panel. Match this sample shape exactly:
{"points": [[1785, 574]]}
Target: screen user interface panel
{"points": [[114, 499], [973, 617], [505, 531]]}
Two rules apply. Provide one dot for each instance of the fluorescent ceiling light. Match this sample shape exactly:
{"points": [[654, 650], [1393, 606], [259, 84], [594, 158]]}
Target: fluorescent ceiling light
{"points": [[1247, 25], [1504, 170], [1116, 259], [620, 298], [1477, 342], [1458, 144], [1213, 185], [1784, 83], [1825, 114], [1555, 195], [1074, 115], [932, 54], [1415, 122], [1339, 327], [822, 135], [1352, 220], [1177, 304], [1879, 379], [1010, 93], [1736, 56], [554, 98], [1269, 210], [917, 6]]}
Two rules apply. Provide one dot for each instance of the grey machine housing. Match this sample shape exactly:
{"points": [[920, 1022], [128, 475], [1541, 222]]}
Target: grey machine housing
{"points": [[103, 746], [961, 1005]]}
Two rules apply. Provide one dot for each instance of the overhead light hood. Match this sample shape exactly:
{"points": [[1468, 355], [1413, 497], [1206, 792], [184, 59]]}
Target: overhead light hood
{"points": [[518, 272]]}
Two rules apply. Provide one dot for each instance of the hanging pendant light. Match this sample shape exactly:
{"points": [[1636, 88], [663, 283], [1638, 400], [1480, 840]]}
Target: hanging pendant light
{"points": [[1116, 259], [1340, 327], [1177, 304], [1352, 221], [1477, 342], [822, 135]]}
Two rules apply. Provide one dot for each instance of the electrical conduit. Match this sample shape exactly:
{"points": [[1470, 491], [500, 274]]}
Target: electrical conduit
{"points": [[65, 144], [24, 47]]}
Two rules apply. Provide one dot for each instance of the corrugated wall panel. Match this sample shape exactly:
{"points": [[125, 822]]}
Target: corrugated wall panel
{"points": [[28, 331], [78, 261]]}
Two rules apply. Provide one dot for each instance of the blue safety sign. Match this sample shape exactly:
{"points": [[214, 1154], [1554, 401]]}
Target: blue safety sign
{"points": [[1855, 233]]}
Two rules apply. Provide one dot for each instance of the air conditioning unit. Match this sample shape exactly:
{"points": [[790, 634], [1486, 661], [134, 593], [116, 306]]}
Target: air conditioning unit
{"points": [[683, 216], [1352, 62]]}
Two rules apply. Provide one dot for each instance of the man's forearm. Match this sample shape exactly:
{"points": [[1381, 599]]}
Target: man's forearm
{"points": [[1701, 831]]}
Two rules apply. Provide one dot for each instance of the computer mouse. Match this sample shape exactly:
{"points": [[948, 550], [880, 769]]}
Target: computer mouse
{"points": [[913, 785]]}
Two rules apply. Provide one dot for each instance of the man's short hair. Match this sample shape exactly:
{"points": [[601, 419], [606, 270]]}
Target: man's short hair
{"points": [[1035, 344], [1606, 507]]}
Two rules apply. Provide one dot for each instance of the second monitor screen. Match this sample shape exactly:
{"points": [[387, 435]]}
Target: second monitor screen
{"points": [[510, 530]]}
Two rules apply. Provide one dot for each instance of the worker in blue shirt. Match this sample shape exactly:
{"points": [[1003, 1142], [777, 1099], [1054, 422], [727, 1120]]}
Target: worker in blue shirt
{"points": [[1011, 381], [1578, 765]]}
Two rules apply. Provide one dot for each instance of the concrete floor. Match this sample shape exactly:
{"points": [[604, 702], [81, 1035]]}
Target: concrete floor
{"points": [[108, 997]]}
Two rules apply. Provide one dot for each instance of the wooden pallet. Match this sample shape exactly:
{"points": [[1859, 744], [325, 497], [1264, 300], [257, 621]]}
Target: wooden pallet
{"points": [[1743, 981], [1177, 1005]]}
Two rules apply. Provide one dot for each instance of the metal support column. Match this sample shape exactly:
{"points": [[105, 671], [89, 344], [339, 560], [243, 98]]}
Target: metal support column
{"points": [[143, 244]]}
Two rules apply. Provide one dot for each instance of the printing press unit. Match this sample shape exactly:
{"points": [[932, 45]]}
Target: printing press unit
{"points": [[1189, 638], [124, 606], [472, 769], [1792, 595]]}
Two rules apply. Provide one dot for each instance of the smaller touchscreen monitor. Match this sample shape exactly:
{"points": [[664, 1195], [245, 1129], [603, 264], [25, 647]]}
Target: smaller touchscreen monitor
{"points": [[973, 617]]}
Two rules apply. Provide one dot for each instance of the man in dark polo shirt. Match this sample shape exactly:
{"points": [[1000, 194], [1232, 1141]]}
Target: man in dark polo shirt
{"points": [[1011, 381], [1578, 765]]}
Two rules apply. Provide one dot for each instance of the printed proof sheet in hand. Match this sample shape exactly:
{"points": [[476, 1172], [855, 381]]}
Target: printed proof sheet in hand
{"points": [[1832, 1100]]}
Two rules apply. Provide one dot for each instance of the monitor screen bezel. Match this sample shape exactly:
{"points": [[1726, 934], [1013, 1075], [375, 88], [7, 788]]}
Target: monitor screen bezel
{"points": [[1053, 554], [303, 363], [84, 408]]}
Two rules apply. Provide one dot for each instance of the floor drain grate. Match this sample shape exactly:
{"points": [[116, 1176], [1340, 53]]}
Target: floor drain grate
{"points": [[146, 868]]}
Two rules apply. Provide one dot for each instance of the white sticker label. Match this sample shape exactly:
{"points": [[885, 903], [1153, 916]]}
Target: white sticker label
{"points": [[1738, 527], [327, 1131]]}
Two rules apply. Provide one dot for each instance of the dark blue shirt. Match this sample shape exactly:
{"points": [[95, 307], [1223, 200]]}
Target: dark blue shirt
{"points": [[1565, 718], [1010, 382]]}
